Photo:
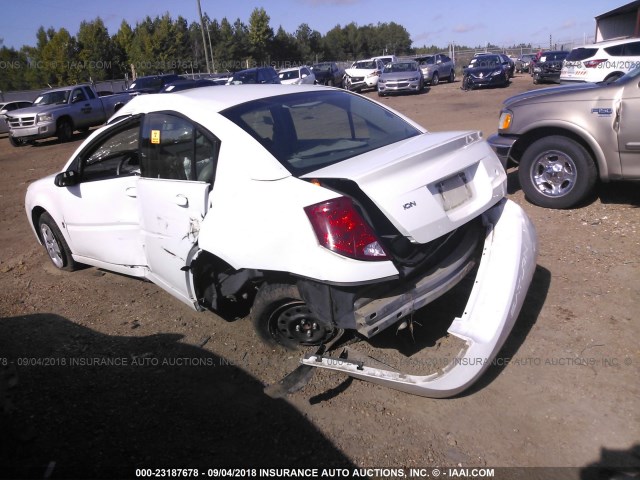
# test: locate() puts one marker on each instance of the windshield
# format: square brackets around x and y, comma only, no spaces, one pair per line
[400,67]
[311,130]
[290,75]
[151,82]
[247,76]
[485,61]
[53,98]
[366,65]
[321,67]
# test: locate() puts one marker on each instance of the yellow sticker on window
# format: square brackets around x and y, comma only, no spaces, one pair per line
[155,137]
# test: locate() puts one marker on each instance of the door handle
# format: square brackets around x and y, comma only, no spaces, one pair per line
[181,200]
[131,192]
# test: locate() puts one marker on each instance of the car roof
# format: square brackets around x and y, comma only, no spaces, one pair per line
[609,43]
[212,99]
[292,69]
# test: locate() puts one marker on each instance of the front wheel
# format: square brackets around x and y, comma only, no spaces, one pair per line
[54,242]
[557,172]
[64,131]
[16,142]
[281,317]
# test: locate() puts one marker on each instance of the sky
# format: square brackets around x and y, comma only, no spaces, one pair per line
[463,22]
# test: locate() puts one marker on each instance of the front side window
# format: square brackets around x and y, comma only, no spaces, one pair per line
[113,156]
[310,130]
[173,148]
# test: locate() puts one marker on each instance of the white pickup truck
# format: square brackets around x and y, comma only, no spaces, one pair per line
[59,112]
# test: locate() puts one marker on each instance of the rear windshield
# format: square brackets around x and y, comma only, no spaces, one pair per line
[311,130]
[578,54]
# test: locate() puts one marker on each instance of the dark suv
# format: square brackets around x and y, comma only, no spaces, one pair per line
[152,83]
[548,67]
[257,75]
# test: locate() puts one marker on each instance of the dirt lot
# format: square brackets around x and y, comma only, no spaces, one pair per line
[189,392]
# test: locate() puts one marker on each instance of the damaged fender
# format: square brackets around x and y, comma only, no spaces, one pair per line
[505,272]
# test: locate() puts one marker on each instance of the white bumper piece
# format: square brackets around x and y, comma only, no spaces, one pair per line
[506,268]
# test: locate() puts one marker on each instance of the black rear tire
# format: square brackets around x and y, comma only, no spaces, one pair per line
[282,318]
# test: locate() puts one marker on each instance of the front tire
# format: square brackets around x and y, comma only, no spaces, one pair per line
[282,318]
[64,130]
[557,172]
[55,244]
[16,142]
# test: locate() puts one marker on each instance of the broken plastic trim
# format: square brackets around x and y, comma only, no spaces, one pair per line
[503,278]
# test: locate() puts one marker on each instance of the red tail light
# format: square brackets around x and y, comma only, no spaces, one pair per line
[593,63]
[340,228]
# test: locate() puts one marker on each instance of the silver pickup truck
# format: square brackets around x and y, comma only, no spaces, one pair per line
[59,112]
[566,138]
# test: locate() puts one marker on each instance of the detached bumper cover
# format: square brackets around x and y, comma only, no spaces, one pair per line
[503,278]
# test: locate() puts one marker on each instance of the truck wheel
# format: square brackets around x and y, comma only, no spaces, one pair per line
[281,317]
[54,242]
[64,130]
[435,79]
[16,142]
[556,172]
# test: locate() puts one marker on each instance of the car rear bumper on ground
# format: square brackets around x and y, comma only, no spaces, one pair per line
[503,278]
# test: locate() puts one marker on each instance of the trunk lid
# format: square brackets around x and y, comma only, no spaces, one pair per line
[427,185]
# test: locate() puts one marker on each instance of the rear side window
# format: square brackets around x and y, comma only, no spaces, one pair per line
[174,148]
[632,49]
[310,130]
[578,54]
[615,51]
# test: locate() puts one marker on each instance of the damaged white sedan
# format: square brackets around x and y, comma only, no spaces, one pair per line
[319,209]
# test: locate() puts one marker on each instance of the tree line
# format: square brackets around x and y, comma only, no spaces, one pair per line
[166,45]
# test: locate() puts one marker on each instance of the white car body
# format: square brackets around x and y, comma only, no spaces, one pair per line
[601,61]
[297,76]
[363,74]
[253,218]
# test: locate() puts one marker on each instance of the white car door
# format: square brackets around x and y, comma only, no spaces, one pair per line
[177,168]
[101,210]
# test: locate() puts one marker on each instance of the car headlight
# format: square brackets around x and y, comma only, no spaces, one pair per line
[497,72]
[45,117]
[506,119]
[414,79]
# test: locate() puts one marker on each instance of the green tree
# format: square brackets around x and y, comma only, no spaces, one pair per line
[61,52]
[122,43]
[260,34]
[95,50]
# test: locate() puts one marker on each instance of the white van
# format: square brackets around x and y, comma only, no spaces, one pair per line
[599,62]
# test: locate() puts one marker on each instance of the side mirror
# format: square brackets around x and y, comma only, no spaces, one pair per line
[4,112]
[66,179]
